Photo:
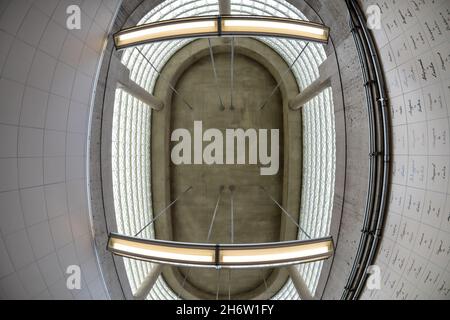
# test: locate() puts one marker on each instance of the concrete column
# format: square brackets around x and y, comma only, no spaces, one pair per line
[224,7]
[329,77]
[300,284]
[148,283]
[122,76]
[309,93]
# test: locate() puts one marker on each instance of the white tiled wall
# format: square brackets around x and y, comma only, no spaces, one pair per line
[46,80]
[414,43]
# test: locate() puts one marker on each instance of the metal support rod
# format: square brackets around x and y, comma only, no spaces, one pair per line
[232,189]
[162,212]
[283,76]
[209,234]
[286,213]
[216,79]
[184,281]
[214,215]
[164,78]
[232,74]
[218,284]
[264,279]
[232,214]
[229,284]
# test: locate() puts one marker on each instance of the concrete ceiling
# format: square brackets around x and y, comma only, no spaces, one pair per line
[257,219]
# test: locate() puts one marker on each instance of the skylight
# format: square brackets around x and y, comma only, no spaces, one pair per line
[131,179]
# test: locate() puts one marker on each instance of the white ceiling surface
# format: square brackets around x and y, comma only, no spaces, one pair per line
[46,80]
[415,250]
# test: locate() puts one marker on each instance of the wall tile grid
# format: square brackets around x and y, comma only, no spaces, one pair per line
[414,44]
[47,74]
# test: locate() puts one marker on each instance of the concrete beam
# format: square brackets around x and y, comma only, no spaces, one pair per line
[309,93]
[147,285]
[329,77]
[224,7]
[300,284]
[122,76]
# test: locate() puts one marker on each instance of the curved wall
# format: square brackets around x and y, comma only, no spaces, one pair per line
[47,76]
[414,45]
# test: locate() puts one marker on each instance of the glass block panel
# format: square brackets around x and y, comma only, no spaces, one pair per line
[319,158]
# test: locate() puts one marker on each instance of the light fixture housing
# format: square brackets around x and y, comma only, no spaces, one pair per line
[167,30]
[217,26]
[275,254]
[274,27]
[222,256]
[158,251]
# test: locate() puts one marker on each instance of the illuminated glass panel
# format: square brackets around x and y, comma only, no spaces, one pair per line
[319,158]
[130,155]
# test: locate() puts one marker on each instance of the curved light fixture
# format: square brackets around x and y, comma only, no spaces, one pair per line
[273,27]
[167,30]
[221,256]
[218,26]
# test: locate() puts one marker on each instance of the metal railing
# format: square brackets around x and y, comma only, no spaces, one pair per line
[379,156]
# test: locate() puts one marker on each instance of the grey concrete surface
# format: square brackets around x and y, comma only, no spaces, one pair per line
[246,179]
[352,144]
[256,218]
